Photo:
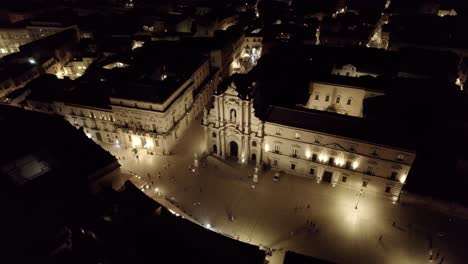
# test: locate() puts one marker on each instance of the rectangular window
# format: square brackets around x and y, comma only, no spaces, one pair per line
[370,170]
[311,171]
[394,175]
[348,165]
[214,134]
[293,166]
[130,138]
[331,161]
[388,189]
[316,97]
[278,132]
[338,100]
[294,153]
[344,179]
[364,183]
[348,102]
[327,98]
[275,162]
[314,157]
[277,149]
[400,157]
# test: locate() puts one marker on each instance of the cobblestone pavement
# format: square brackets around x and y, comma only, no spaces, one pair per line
[296,213]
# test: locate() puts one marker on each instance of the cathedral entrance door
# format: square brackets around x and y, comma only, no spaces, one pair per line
[233,149]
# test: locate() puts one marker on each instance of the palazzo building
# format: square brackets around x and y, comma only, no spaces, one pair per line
[327,147]
[132,101]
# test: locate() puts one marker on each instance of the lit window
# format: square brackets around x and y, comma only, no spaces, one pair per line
[298,135]
[401,157]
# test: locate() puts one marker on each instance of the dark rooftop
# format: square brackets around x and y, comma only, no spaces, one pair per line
[346,126]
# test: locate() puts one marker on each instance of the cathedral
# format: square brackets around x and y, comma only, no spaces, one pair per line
[329,148]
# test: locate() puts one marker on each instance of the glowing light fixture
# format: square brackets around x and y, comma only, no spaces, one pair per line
[267,147]
[403,178]
[308,154]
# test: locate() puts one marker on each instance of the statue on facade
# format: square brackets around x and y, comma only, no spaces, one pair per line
[233,115]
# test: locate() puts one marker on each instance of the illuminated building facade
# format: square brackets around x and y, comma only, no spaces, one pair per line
[327,147]
[152,112]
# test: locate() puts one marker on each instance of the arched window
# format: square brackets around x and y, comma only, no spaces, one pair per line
[254,143]
[338,100]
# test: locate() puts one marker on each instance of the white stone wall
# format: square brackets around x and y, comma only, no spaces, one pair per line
[346,100]
[232,120]
[139,124]
[357,161]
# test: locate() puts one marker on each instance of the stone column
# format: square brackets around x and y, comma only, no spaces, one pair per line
[223,144]
[241,119]
[247,118]
[260,152]
[221,109]
[218,111]
[241,149]
[218,142]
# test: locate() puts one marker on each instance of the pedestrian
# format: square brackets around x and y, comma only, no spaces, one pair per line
[380,237]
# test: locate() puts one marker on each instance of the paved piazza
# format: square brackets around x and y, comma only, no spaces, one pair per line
[296,213]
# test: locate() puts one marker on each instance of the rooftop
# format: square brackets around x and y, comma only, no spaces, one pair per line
[346,126]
